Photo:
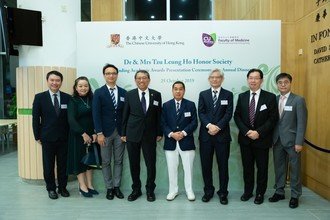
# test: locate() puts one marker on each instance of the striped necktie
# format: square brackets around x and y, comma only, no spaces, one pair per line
[112,94]
[177,108]
[215,99]
[252,109]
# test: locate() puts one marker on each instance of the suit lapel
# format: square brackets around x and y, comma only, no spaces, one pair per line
[260,102]
[218,103]
[181,111]
[50,102]
[138,101]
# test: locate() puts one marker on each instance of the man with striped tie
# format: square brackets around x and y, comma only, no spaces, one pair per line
[108,104]
[215,109]
[256,115]
[179,120]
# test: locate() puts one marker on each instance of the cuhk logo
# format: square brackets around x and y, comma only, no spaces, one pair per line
[209,40]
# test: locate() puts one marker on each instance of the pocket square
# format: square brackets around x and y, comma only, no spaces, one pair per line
[263,107]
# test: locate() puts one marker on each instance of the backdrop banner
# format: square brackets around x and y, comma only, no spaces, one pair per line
[185,51]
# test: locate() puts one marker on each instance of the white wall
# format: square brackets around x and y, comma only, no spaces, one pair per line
[59,33]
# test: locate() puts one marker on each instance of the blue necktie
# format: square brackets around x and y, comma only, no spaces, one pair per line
[144,103]
[113,97]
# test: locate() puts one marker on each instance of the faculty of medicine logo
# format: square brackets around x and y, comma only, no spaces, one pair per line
[209,40]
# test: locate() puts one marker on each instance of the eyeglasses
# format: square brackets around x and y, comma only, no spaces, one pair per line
[254,78]
[141,78]
[283,83]
[111,73]
[215,77]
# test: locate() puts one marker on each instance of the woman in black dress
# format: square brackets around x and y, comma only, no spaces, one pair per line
[81,134]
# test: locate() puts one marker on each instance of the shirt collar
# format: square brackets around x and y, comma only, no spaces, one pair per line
[286,95]
[257,92]
[218,90]
[146,91]
[177,101]
[115,87]
[51,93]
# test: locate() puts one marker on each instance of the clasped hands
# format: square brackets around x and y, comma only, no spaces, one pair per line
[177,135]
[254,135]
[213,129]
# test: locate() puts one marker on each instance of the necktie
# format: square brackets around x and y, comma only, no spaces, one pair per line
[215,99]
[113,97]
[143,103]
[177,109]
[281,106]
[252,109]
[56,105]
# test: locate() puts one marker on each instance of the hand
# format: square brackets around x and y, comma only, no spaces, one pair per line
[87,138]
[177,135]
[101,140]
[159,138]
[254,135]
[94,138]
[298,148]
[123,138]
[213,129]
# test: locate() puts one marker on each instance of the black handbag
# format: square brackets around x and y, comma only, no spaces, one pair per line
[93,156]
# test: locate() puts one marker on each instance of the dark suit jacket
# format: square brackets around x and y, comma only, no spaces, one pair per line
[266,117]
[104,112]
[291,126]
[47,126]
[220,115]
[136,124]
[185,121]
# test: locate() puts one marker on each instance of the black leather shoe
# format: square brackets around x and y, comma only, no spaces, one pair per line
[223,199]
[259,199]
[245,197]
[134,195]
[118,193]
[52,194]
[110,194]
[207,197]
[64,192]
[151,196]
[293,203]
[85,194]
[93,191]
[276,197]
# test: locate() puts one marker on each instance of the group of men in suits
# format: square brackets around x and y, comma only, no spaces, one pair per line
[264,120]
[136,117]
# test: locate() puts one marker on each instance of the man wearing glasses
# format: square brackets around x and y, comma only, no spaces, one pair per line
[255,116]
[108,104]
[288,139]
[142,130]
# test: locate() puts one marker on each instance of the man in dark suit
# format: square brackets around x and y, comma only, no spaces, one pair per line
[288,139]
[141,130]
[108,104]
[179,120]
[255,116]
[215,109]
[50,128]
